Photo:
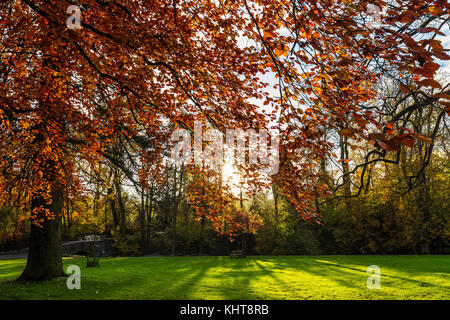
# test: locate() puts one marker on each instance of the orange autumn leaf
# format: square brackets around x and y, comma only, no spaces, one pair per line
[430,83]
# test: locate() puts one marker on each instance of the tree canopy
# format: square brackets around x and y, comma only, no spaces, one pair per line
[137,70]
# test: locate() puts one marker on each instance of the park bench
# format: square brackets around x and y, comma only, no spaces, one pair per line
[237,254]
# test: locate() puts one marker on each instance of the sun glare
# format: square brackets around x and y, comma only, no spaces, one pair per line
[231,176]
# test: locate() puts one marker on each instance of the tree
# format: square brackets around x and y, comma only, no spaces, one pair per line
[68,95]
[160,58]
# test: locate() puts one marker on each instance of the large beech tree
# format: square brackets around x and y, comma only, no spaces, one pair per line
[137,66]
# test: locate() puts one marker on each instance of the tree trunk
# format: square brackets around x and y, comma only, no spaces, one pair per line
[202,228]
[112,203]
[176,201]
[122,226]
[149,212]
[142,225]
[243,235]
[423,205]
[45,251]
[174,229]
[174,212]
[345,172]
[275,200]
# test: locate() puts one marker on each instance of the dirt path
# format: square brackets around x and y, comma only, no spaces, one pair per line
[14,256]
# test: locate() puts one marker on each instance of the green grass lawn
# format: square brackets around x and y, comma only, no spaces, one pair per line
[281,277]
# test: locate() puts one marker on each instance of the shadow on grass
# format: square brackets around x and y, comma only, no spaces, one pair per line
[385,274]
[351,273]
[10,270]
[155,278]
[283,277]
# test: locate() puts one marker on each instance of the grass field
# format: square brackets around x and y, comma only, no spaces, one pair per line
[283,277]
